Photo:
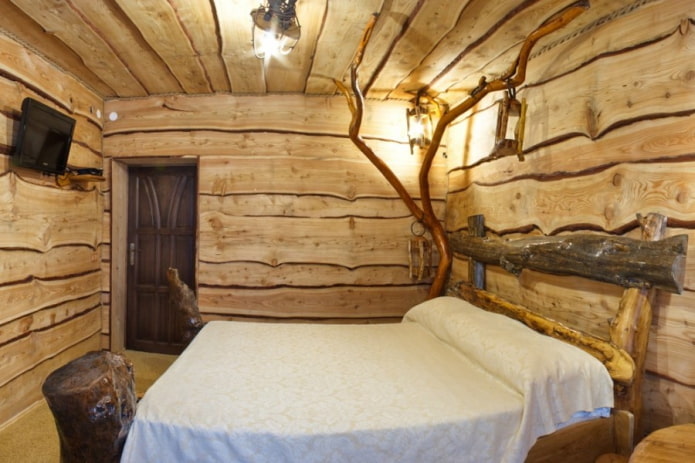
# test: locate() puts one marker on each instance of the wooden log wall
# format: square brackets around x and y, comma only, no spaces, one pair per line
[294,222]
[609,135]
[50,237]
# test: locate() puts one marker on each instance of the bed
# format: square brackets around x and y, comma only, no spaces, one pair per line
[451,382]
[437,387]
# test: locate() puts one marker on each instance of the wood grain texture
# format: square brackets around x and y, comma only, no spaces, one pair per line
[205,47]
[643,141]
[26,297]
[289,73]
[344,301]
[584,442]
[28,351]
[602,200]
[667,402]
[282,113]
[244,70]
[23,264]
[629,107]
[256,274]
[47,317]
[195,16]
[61,20]
[19,25]
[335,52]
[25,390]
[73,218]
[674,443]
[169,39]
[50,237]
[109,20]
[286,204]
[29,74]
[606,140]
[349,242]
[425,29]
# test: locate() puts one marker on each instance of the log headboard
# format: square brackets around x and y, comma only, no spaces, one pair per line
[640,266]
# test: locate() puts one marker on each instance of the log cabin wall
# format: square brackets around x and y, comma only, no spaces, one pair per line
[294,222]
[609,135]
[50,237]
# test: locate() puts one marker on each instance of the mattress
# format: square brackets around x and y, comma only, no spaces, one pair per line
[449,383]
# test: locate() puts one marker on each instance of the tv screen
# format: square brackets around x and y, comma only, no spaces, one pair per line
[44,138]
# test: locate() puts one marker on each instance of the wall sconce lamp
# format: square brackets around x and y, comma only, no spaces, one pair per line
[511,120]
[275,29]
[420,124]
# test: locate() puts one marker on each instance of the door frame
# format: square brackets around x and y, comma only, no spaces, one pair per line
[119,238]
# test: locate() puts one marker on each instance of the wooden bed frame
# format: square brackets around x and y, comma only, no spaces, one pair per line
[640,266]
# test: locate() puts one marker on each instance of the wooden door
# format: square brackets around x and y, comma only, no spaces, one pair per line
[161,234]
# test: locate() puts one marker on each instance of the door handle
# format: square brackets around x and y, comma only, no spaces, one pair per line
[131,254]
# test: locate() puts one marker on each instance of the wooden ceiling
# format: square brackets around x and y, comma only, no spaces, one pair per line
[133,48]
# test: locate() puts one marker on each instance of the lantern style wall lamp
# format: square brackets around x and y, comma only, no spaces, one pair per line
[420,121]
[275,29]
[511,120]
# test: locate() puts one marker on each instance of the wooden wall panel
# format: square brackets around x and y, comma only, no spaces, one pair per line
[314,302]
[606,200]
[50,269]
[19,394]
[288,114]
[609,135]
[294,221]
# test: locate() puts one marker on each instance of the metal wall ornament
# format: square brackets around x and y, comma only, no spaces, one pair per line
[275,28]
[511,120]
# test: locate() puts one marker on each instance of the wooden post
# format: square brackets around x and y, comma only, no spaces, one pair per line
[630,329]
[476,269]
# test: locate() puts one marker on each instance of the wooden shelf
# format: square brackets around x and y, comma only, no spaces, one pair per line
[72,179]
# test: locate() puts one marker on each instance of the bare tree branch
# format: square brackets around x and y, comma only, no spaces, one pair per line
[512,78]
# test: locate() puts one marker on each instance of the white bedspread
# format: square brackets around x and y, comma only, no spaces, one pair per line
[444,385]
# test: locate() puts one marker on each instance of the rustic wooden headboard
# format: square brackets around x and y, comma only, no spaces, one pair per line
[640,266]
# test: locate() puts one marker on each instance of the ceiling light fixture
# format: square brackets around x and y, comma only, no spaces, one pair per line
[275,29]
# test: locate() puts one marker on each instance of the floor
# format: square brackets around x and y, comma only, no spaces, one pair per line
[33,437]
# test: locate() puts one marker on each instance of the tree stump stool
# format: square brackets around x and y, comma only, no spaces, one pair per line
[93,402]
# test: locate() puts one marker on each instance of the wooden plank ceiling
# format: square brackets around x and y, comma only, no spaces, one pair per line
[133,48]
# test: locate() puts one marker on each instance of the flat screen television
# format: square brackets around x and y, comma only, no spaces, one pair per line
[44,138]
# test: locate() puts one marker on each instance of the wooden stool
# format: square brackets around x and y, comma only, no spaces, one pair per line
[93,402]
[667,445]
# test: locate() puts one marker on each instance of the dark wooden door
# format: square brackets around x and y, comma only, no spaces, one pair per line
[161,234]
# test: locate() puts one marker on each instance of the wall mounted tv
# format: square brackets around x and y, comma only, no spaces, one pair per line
[44,138]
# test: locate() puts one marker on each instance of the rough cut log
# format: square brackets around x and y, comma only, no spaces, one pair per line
[93,402]
[183,300]
[617,361]
[623,261]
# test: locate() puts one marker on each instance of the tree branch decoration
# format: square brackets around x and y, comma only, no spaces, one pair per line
[512,78]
